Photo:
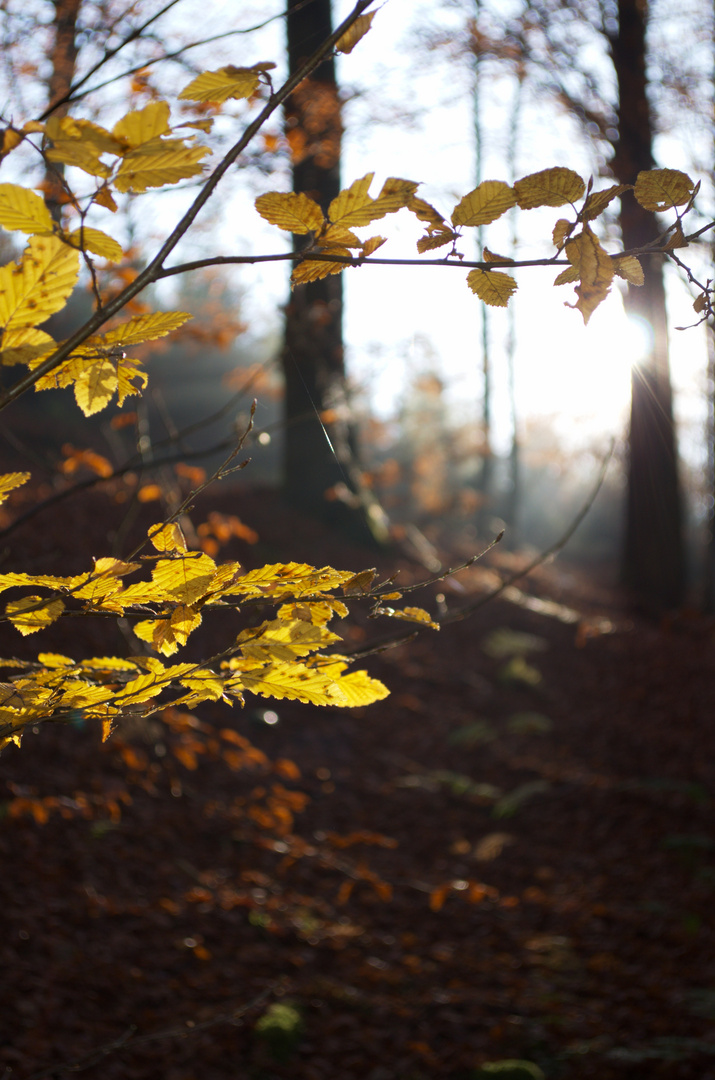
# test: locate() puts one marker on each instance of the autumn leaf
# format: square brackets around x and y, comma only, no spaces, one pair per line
[97,242]
[40,285]
[33,613]
[485,204]
[597,201]
[222,84]
[10,481]
[550,187]
[662,189]
[595,269]
[23,210]
[629,267]
[296,213]
[491,286]
[159,162]
[142,125]
[347,42]
[145,328]
[354,207]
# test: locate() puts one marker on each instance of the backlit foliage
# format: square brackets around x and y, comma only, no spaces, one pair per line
[167,591]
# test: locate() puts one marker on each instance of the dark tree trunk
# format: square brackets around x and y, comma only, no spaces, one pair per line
[321,475]
[63,58]
[654,562]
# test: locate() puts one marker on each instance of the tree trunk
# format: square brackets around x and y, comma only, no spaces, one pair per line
[654,561]
[63,59]
[321,475]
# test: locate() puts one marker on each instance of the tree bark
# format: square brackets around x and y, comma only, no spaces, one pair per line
[63,58]
[321,474]
[653,559]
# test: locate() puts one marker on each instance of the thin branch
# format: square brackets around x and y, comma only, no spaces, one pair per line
[464,612]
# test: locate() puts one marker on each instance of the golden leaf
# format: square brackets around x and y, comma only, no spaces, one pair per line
[126,372]
[81,155]
[355,207]
[97,242]
[491,256]
[629,267]
[550,187]
[144,328]
[561,231]
[143,125]
[104,198]
[485,204]
[435,240]
[33,613]
[10,140]
[347,42]
[491,286]
[597,201]
[167,537]
[39,286]
[338,234]
[67,128]
[279,580]
[26,345]
[595,272]
[158,163]
[567,276]
[284,640]
[10,481]
[360,583]
[24,210]
[426,212]
[185,579]
[95,386]
[315,269]
[318,612]
[295,213]
[373,244]
[294,681]
[662,189]
[227,82]
[360,688]
[55,660]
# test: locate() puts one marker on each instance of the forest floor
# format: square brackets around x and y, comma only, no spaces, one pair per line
[511,857]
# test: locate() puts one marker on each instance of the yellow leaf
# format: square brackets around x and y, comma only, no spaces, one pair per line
[355,207]
[108,663]
[167,537]
[360,583]
[40,285]
[373,244]
[26,345]
[104,198]
[10,140]
[81,155]
[185,579]
[347,42]
[562,230]
[338,234]
[67,128]
[315,269]
[319,612]
[418,614]
[33,613]
[279,580]
[550,187]
[143,125]
[629,267]
[662,189]
[166,635]
[597,201]
[10,481]
[491,286]
[97,242]
[491,257]
[126,372]
[485,204]
[426,212]
[595,272]
[156,164]
[360,688]
[435,240]
[567,276]
[200,125]
[145,328]
[294,681]
[24,210]
[295,213]
[95,386]
[226,82]
[284,640]
[55,660]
